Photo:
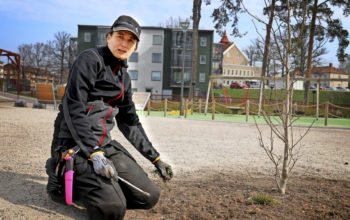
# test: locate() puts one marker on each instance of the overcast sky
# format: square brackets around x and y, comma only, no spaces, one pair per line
[31,21]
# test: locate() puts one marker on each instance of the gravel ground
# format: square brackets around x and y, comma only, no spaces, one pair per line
[194,148]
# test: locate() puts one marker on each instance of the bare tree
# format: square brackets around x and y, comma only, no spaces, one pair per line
[284,130]
[254,52]
[39,57]
[25,53]
[61,52]
[171,23]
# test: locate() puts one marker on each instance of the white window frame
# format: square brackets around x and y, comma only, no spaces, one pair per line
[131,76]
[153,78]
[134,55]
[156,61]
[87,37]
[202,59]
[157,40]
[203,41]
[201,77]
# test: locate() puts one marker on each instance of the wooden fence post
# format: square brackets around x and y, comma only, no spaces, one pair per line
[192,103]
[247,110]
[213,110]
[185,110]
[213,101]
[165,107]
[326,114]
[200,106]
[149,107]
[295,108]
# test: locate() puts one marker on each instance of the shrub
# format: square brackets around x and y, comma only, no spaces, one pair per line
[261,199]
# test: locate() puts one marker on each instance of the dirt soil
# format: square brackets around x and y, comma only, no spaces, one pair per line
[218,166]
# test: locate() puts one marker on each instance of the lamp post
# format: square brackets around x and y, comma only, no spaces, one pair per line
[184,25]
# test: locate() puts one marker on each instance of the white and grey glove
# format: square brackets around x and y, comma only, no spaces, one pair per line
[102,165]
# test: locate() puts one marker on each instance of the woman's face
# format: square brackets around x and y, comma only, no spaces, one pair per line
[122,44]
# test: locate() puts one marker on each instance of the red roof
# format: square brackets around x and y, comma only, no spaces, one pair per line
[225,41]
[327,69]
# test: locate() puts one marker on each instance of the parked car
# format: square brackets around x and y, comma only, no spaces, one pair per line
[253,83]
[339,88]
[238,85]
[312,87]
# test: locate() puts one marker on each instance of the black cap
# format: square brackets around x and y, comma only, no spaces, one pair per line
[127,23]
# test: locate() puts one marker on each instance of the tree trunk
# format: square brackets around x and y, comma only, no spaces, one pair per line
[266,53]
[61,66]
[287,114]
[302,40]
[196,18]
[309,55]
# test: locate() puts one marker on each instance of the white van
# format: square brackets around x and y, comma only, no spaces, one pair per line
[253,83]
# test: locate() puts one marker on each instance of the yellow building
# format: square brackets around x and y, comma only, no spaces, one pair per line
[236,63]
[330,73]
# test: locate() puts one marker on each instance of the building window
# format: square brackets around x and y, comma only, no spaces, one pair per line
[102,39]
[133,74]
[178,39]
[87,37]
[156,57]
[177,76]
[202,59]
[134,57]
[203,41]
[157,39]
[202,77]
[155,76]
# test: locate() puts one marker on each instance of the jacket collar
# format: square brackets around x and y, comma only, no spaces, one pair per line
[111,60]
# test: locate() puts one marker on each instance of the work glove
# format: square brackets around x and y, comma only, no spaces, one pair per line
[165,171]
[102,165]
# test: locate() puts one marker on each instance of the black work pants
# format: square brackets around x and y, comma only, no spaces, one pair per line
[107,198]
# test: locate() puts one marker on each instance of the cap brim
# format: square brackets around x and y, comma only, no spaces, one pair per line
[126,29]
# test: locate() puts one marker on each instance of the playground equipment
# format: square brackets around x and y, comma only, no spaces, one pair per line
[15,60]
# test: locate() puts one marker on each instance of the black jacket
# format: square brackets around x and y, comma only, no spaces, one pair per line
[98,75]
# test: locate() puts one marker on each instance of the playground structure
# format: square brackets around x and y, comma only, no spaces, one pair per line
[14,60]
[247,107]
[264,78]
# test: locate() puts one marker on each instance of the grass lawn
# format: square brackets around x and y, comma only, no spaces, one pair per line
[302,121]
